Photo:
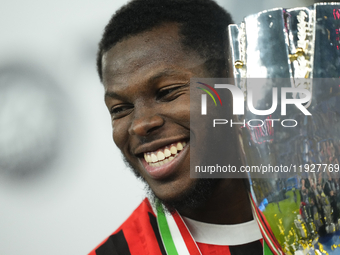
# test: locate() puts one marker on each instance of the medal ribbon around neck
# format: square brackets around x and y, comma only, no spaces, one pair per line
[270,244]
[177,239]
[175,235]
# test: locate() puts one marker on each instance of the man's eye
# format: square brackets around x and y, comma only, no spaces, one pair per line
[165,92]
[171,93]
[120,111]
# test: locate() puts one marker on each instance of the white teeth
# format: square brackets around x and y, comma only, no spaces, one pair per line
[153,158]
[147,157]
[167,153]
[162,162]
[160,155]
[173,150]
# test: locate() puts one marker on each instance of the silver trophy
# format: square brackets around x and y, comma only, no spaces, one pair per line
[297,52]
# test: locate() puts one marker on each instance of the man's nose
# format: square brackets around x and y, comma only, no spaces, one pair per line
[145,124]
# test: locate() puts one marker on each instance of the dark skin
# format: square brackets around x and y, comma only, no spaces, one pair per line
[146,79]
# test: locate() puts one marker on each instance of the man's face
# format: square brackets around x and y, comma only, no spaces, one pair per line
[146,79]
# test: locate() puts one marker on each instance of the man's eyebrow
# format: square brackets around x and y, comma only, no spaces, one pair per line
[112,95]
[164,73]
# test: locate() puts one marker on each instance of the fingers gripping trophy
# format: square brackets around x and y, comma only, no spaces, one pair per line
[287,64]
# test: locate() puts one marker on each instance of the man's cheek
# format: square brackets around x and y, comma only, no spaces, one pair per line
[182,109]
[119,135]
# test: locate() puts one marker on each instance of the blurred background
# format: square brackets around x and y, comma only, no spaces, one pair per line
[63,184]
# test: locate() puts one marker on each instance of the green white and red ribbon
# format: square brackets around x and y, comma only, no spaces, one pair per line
[177,239]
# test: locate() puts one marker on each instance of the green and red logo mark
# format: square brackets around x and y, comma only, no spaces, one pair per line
[204,97]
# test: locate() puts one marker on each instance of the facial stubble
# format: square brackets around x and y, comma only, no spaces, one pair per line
[194,197]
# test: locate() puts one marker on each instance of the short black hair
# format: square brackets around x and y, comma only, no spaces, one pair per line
[203,27]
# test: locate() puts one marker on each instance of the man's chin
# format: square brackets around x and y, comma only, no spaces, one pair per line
[193,198]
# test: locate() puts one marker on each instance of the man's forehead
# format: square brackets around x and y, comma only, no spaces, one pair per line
[159,43]
[154,49]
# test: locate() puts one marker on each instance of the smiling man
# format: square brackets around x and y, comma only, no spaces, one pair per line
[149,51]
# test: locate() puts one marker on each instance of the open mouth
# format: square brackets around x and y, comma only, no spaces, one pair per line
[164,155]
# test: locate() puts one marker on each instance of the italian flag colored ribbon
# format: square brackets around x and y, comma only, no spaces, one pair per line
[177,239]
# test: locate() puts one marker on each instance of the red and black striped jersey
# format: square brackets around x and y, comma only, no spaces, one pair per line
[140,234]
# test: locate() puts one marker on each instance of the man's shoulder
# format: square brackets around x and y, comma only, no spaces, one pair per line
[139,232]
[142,213]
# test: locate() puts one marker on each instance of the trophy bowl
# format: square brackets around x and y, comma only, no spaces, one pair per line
[292,56]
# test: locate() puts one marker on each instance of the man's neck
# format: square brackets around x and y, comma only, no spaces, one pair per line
[229,204]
